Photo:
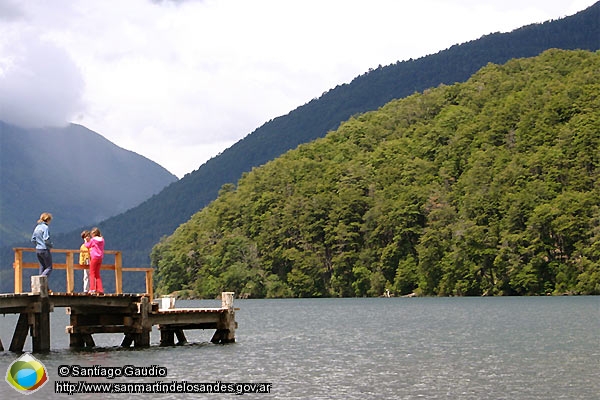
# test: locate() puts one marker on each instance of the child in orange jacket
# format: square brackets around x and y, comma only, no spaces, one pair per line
[84,260]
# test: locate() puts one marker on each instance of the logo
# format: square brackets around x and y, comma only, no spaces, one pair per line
[26,374]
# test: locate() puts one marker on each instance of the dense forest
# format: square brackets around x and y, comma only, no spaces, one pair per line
[488,187]
[137,230]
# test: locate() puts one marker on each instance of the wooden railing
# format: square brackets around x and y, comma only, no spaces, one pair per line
[71,266]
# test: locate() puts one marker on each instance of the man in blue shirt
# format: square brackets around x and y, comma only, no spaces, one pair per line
[43,244]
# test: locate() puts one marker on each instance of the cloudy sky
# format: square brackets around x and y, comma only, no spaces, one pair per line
[180,81]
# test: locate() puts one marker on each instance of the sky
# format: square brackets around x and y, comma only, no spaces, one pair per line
[179,81]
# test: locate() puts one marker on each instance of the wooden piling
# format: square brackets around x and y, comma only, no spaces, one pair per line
[41,317]
[142,338]
[226,326]
[20,334]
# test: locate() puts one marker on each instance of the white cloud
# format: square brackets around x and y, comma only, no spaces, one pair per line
[179,81]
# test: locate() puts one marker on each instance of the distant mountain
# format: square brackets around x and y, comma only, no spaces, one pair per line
[136,231]
[72,172]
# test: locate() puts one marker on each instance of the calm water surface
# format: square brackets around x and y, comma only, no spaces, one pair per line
[419,348]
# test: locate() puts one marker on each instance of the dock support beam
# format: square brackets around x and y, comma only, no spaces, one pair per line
[81,340]
[20,334]
[167,336]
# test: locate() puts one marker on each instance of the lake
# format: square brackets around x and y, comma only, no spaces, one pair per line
[401,348]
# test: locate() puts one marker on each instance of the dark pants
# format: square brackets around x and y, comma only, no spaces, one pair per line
[45,259]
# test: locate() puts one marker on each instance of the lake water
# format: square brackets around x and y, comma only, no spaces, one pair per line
[400,348]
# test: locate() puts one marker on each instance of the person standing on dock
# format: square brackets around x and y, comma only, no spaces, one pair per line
[96,246]
[84,260]
[43,243]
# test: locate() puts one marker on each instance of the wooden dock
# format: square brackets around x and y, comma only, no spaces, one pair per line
[132,315]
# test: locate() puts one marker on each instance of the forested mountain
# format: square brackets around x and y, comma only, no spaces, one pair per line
[488,187]
[72,172]
[137,230]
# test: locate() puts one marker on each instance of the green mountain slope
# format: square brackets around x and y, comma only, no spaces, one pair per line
[489,187]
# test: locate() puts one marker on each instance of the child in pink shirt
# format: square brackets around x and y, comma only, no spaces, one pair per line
[96,246]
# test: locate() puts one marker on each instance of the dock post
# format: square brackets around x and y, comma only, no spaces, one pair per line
[226,326]
[70,272]
[142,339]
[40,330]
[118,272]
[227,300]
